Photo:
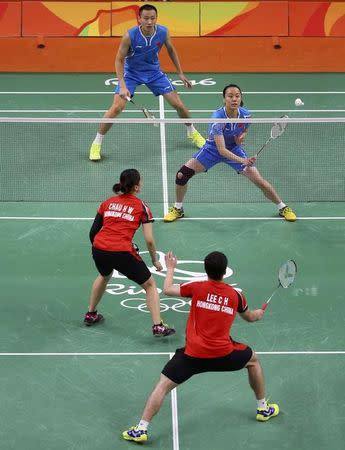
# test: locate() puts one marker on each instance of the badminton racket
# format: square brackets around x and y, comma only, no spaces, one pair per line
[276,131]
[286,276]
[148,114]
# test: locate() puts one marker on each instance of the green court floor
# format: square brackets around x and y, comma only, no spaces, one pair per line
[65,386]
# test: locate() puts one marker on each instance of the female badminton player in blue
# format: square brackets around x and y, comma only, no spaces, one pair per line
[137,63]
[224,144]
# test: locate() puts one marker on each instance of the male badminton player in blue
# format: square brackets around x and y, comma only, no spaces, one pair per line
[137,63]
[225,144]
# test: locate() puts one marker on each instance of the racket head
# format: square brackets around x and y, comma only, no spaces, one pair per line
[148,114]
[287,273]
[278,128]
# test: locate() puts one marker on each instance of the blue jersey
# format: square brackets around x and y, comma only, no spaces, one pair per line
[142,58]
[228,130]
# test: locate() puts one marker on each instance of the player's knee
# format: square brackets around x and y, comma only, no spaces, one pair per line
[184,175]
[254,360]
[149,284]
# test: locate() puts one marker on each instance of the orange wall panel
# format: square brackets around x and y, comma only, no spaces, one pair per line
[244,18]
[66,18]
[317,19]
[196,54]
[10,19]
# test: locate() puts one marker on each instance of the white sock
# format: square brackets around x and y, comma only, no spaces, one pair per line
[143,424]
[98,139]
[281,205]
[262,404]
[190,129]
[178,205]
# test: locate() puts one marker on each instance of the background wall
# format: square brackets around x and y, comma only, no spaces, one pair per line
[209,35]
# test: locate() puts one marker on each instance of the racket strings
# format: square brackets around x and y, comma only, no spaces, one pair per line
[287,273]
[278,128]
[148,114]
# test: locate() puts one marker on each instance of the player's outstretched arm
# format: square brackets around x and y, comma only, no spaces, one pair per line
[252,316]
[169,287]
[151,245]
[175,59]
[120,62]
[220,143]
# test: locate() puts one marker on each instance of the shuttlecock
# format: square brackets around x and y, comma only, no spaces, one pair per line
[298,102]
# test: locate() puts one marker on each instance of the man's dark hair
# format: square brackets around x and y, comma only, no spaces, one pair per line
[215,264]
[147,7]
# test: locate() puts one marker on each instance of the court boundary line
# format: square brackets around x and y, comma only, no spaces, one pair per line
[277,353]
[163,156]
[174,415]
[184,219]
[180,92]
[88,111]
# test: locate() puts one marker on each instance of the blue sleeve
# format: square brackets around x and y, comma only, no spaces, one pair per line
[216,129]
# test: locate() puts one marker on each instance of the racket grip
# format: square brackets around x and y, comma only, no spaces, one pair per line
[264,306]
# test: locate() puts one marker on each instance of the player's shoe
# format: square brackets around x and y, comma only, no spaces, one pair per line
[288,214]
[162,329]
[135,434]
[173,214]
[92,317]
[95,152]
[197,139]
[262,415]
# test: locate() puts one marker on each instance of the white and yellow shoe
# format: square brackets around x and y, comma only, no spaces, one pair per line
[197,139]
[95,152]
[262,415]
[288,214]
[135,434]
[173,214]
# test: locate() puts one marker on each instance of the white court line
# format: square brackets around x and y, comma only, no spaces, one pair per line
[180,92]
[184,219]
[331,352]
[163,156]
[174,414]
[87,111]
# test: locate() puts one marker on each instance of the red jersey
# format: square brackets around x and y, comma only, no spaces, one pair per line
[122,216]
[213,310]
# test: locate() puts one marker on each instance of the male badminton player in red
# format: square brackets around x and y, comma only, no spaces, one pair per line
[137,63]
[111,234]
[225,145]
[209,347]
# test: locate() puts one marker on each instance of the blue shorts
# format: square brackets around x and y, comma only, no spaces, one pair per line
[209,156]
[159,84]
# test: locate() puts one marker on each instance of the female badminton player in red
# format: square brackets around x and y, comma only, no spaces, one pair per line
[111,234]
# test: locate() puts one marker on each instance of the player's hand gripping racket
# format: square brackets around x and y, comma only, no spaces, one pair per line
[148,114]
[286,276]
[276,131]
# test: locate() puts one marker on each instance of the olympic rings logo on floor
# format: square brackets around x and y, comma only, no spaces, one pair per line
[135,295]
[180,274]
[176,304]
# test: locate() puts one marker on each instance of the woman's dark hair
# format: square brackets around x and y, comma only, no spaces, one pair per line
[128,179]
[147,8]
[233,86]
[215,264]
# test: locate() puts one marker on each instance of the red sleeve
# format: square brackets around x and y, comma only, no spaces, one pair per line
[146,215]
[242,302]
[186,289]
